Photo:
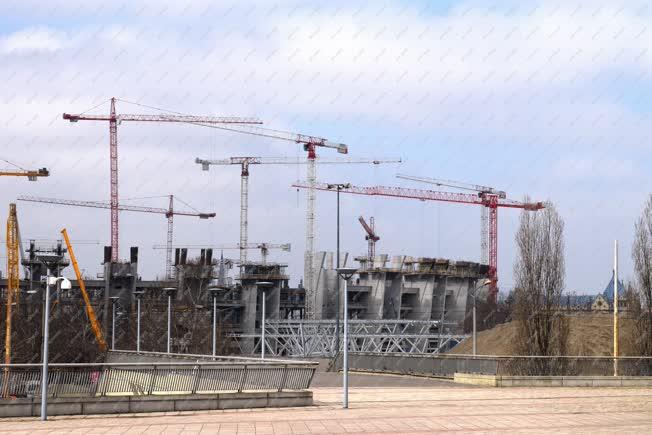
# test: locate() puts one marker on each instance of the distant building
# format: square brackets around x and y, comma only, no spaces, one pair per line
[600,304]
[604,301]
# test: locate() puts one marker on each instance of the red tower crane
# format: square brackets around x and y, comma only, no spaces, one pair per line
[491,201]
[371,237]
[484,216]
[114,119]
[169,214]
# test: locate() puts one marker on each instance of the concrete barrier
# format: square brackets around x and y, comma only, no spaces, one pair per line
[30,407]
[552,381]
[446,365]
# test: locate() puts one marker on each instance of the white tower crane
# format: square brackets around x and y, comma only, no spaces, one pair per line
[309,145]
[244,162]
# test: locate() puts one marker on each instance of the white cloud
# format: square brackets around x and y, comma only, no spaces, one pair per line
[502,98]
[35,39]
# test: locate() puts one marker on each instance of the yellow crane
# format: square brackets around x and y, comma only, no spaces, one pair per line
[13,283]
[30,174]
[13,251]
[95,325]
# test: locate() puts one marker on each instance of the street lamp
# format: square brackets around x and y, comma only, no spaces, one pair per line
[339,187]
[170,292]
[65,285]
[264,285]
[213,290]
[475,292]
[139,295]
[114,299]
[346,273]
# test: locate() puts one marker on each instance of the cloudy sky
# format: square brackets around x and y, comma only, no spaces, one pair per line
[543,98]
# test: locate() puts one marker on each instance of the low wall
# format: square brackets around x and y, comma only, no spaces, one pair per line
[553,381]
[444,365]
[425,365]
[31,407]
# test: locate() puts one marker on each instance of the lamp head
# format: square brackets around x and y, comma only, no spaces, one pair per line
[347,272]
[65,284]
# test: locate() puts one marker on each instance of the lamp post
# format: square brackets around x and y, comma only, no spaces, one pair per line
[139,295]
[65,285]
[339,187]
[346,273]
[263,285]
[615,287]
[475,293]
[114,299]
[169,291]
[213,291]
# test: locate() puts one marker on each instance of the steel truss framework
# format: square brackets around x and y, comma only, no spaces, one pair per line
[316,338]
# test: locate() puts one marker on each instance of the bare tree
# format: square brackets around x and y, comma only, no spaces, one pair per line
[539,277]
[642,256]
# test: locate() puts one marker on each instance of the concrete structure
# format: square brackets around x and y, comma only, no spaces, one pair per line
[552,381]
[414,289]
[396,289]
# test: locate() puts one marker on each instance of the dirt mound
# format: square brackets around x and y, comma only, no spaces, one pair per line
[590,334]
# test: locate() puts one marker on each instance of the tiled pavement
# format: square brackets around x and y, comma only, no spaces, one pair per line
[410,409]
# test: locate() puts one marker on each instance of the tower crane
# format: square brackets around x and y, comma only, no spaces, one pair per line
[371,237]
[169,213]
[114,119]
[264,248]
[310,143]
[13,284]
[244,163]
[484,218]
[491,201]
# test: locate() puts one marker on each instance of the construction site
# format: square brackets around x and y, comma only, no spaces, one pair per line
[211,304]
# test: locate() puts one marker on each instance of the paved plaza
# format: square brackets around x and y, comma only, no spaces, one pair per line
[400,405]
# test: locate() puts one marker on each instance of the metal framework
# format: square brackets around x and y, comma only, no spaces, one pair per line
[317,338]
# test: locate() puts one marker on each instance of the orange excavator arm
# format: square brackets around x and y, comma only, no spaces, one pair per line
[95,325]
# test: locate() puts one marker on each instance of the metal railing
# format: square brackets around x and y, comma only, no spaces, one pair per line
[133,379]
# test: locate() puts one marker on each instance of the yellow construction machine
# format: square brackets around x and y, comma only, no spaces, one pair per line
[95,325]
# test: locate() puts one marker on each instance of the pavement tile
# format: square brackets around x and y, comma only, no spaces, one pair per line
[390,410]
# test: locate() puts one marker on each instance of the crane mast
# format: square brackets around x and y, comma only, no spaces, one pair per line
[113,118]
[13,285]
[491,201]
